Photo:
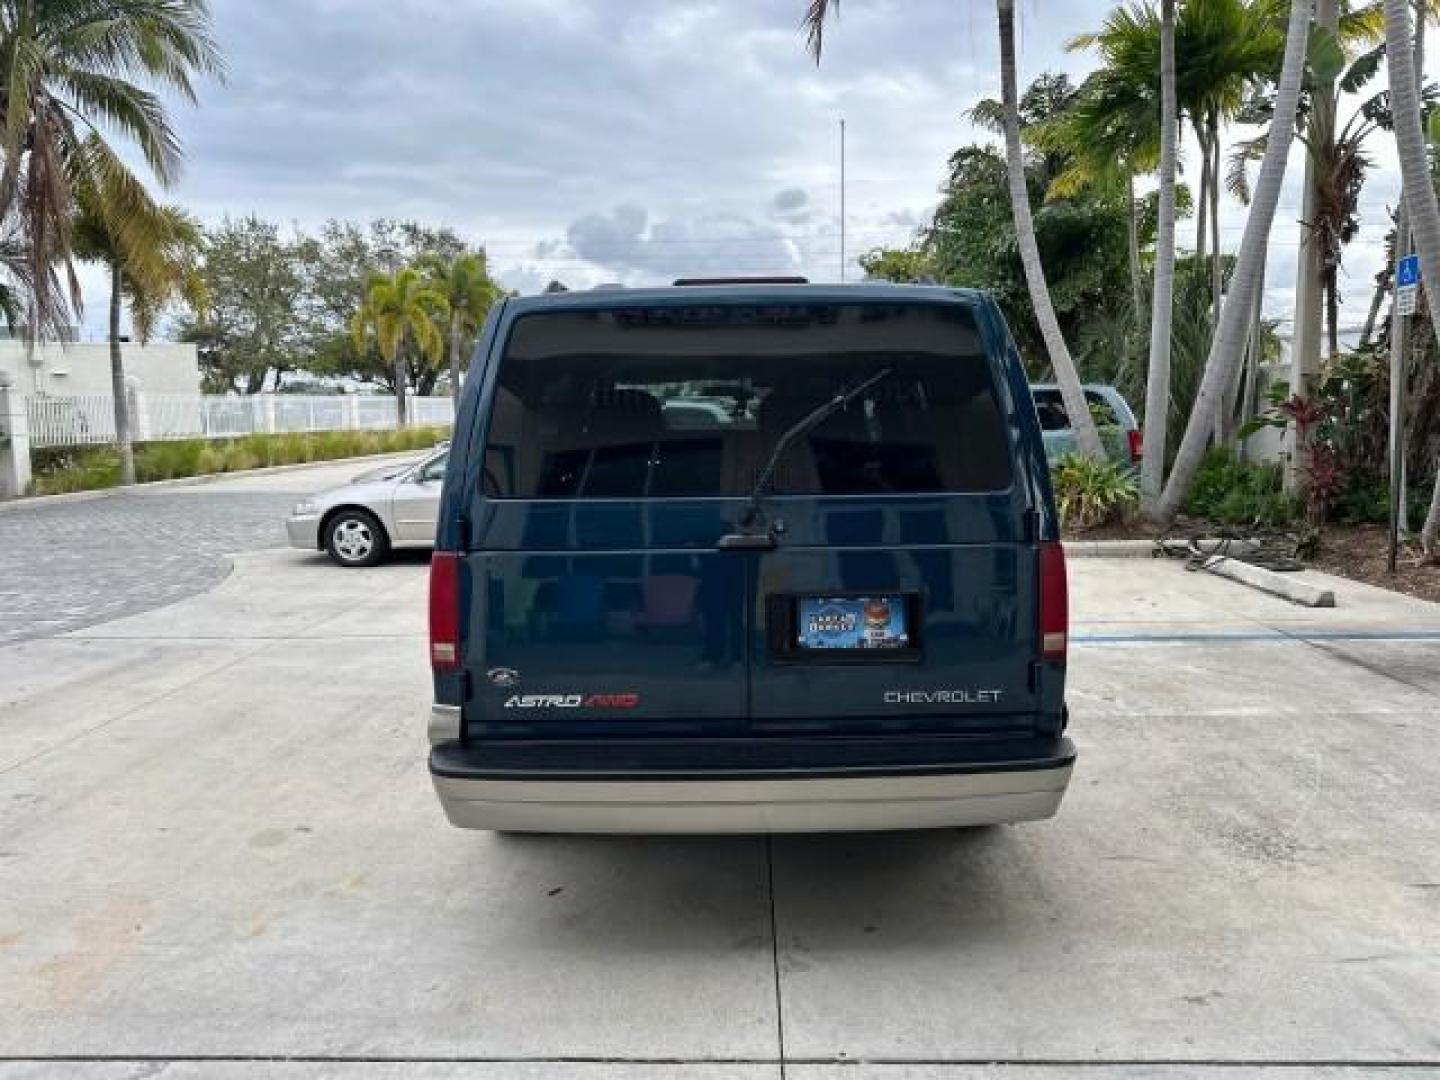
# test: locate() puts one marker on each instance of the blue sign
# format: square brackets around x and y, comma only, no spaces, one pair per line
[1407,274]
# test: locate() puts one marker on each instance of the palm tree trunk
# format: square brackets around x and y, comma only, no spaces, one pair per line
[1332,310]
[123,438]
[1234,410]
[1229,341]
[1071,392]
[1377,298]
[455,360]
[1202,214]
[402,407]
[1157,381]
[1420,202]
[1217,270]
[1132,225]
[1310,272]
[1254,356]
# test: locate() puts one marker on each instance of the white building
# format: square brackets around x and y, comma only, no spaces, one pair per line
[78,369]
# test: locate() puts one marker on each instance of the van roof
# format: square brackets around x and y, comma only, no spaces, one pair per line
[752,293]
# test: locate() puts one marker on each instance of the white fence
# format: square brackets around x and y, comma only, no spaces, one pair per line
[71,421]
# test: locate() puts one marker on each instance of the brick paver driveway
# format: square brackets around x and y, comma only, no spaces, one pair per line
[69,563]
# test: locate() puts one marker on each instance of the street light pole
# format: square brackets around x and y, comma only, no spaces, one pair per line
[842,198]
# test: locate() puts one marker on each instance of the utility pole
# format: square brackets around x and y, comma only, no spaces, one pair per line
[842,198]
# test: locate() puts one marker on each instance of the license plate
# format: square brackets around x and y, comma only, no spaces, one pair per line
[852,623]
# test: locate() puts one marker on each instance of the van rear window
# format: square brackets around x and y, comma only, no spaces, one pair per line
[641,402]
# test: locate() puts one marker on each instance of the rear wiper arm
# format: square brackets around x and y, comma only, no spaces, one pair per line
[810,420]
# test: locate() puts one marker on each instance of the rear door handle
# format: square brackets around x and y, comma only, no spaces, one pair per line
[746,542]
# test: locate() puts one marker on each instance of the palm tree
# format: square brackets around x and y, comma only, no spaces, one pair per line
[1228,46]
[1236,313]
[1087,438]
[396,308]
[69,68]
[1157,381]
[469,292]
[1420,202]
[1071,392]
[153,260]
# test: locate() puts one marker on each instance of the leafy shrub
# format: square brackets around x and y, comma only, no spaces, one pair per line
[1091,492]
[85,468]
[1233,492]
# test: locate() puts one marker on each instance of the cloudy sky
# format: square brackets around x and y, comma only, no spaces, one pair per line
[628,140]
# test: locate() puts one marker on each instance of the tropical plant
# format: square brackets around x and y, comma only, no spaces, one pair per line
[1229,491]
[1092,491]
[153,259]
[71,68]
[469,292]
[1420,201]
[398,308]
[1236,313]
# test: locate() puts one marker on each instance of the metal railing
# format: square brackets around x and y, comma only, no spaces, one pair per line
[90,419]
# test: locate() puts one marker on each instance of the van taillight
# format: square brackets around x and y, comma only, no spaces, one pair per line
[1054,601]
[1137,444]
[444,611]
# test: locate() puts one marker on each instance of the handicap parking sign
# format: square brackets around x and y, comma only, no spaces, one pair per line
[1408,272]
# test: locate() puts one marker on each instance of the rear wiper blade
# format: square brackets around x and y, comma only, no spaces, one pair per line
[810,420]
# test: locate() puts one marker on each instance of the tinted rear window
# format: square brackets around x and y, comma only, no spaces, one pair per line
[692,401]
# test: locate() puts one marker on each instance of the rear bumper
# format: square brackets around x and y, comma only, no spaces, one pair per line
[749,786]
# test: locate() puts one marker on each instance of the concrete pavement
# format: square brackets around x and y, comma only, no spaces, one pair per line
[78,561]
[219,852]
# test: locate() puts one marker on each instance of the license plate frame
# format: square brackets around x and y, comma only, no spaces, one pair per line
[798,633]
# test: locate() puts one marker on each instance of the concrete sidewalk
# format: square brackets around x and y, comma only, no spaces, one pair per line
[219,849]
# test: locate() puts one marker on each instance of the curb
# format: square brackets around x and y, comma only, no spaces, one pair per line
[1154,549]
[1268,581]
[192,481]
[1112,549]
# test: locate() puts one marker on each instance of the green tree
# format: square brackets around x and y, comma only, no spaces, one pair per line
[256,327]
[153,260]
[399,308]
[336,267]
[72,68]
[1223,50]
[901,265]
[469,292]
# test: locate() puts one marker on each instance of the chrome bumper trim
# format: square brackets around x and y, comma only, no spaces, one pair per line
[753,806]
[444,723]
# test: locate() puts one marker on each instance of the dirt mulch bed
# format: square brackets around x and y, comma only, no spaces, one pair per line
[1351,551]
[1358,551]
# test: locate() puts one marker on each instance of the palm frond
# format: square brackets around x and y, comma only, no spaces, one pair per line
[813,23]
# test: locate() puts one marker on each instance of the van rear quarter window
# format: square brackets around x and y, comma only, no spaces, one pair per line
[691,400]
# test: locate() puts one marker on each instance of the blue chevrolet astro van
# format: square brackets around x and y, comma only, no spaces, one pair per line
[748,556]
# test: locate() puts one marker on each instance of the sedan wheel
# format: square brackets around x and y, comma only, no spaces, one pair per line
[355,538]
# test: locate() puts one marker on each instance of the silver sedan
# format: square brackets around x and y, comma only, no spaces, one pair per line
[358,523]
